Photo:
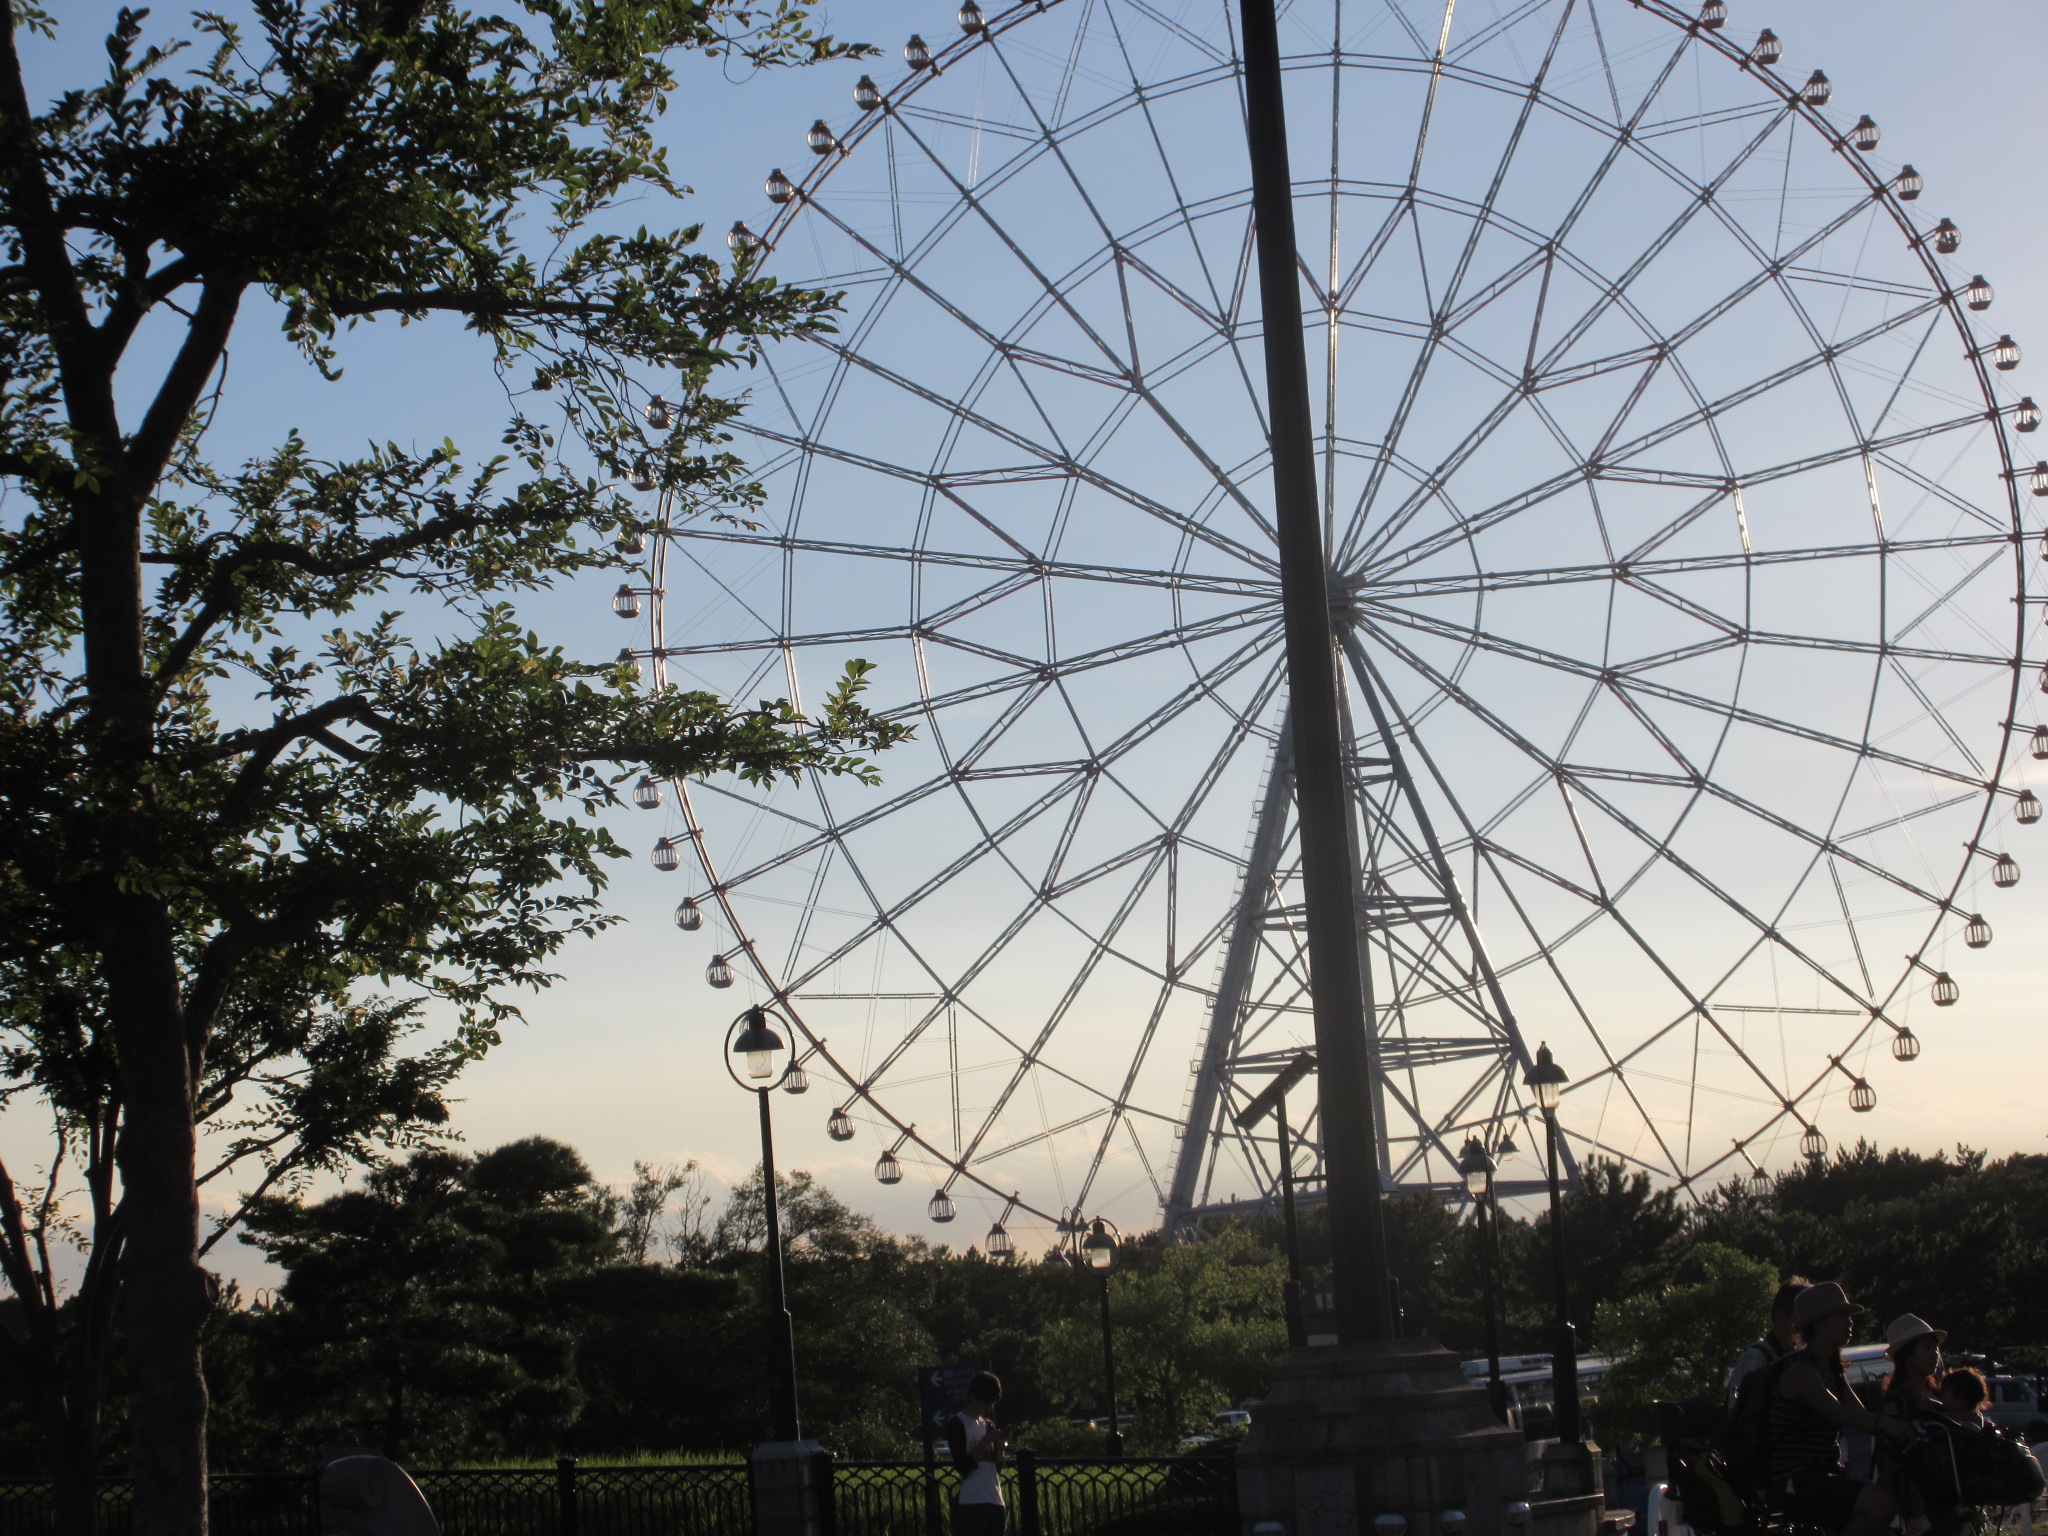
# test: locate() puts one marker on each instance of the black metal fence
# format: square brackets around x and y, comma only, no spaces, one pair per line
[1046,1495]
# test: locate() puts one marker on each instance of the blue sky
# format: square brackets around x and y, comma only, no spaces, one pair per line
[621,1059]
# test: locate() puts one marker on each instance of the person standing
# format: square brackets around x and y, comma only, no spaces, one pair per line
[1810,1407]
[1777,1342]
[977,1447]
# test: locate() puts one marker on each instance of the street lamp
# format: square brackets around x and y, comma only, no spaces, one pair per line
[1546,1079]
[758,1057]
[1272,1100]
[1477,1165]
[1098,1251]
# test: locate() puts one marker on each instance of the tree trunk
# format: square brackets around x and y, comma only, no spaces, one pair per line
[166,1293]
[76,1467]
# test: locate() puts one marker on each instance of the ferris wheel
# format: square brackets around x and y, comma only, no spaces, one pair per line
[1677,529]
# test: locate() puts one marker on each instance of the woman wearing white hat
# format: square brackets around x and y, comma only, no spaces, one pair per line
[1915,1349]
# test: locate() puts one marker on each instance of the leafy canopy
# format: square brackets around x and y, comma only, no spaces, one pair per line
[277,716]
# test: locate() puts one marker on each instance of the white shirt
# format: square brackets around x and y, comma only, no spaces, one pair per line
[984,1485]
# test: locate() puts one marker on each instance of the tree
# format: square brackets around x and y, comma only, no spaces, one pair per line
[1679,1340]
[239,799]
[1197,1327]
[429,1312]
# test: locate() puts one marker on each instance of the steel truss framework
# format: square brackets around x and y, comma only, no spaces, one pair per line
[1676,536]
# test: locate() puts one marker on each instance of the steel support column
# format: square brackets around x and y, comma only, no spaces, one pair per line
[1343,1006]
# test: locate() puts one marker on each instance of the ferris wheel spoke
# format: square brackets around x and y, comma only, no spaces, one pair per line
[1670,565]
[1032,673]
[1541,373]
[1481,221]
[1467,527]
[1545,949]
[1027,564]
[1125,368]
[1631,678]
[1661,848]
[1073,467]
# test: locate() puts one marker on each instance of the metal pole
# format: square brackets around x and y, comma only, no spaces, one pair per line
[781,1336]
[1564,1357]
[1116,1435]
[1297,1325]
[1485,1218]
[1340,986]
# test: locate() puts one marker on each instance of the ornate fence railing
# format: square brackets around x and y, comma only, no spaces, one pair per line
[1047,1496]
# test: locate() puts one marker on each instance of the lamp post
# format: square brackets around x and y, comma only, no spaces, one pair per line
[1547,1079]
[754,1039]
[1477,1165]
[1098,1249]
[1273,1100]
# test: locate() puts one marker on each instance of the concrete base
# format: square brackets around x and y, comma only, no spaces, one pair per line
[1571,1469]
[1389,1438]
[790,1488]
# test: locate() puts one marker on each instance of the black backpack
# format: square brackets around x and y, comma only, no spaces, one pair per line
[1745,1445]
[1965,1464]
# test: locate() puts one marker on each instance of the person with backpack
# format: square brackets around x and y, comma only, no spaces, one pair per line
[1778,1340]
[977,1447]
[1809,1405]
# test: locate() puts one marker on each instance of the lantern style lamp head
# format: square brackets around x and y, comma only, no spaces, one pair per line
[779,187]
[1098,1247]
[941,1207]
[2026,810]
[1944,991]
[1768,49]
[917,53]
[1817,90]
[1546,1079]
[1813,1144]
[689,916]
[998,1243]
[1905,1046]
[667,856]
[866,94]
[973,19]
[1908,184]
[718,973]
[887,1169]
[839,1125]
[1506,1149]
[1862,1097]
[647,793]
[2026,416]
[1977,934]
[626,603]
[760,1045]
[1477,1165]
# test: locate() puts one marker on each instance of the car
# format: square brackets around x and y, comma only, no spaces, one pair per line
[1234,1418]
